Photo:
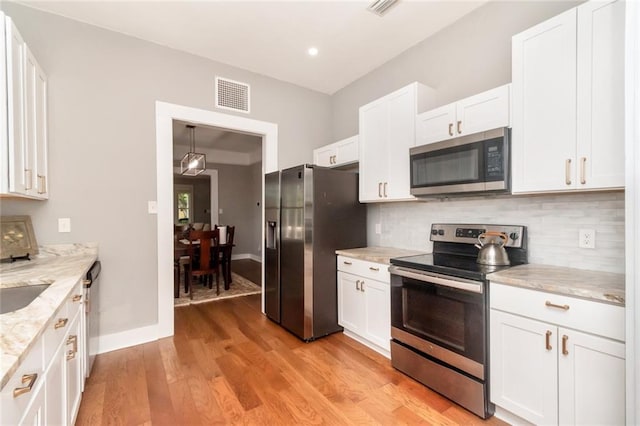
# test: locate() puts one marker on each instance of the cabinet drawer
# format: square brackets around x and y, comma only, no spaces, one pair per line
[12,408]
[364,268]
[592,317]
[59,326]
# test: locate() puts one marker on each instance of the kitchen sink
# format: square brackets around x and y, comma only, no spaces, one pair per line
[14,298]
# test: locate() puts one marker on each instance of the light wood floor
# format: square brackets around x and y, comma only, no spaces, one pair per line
[228,364]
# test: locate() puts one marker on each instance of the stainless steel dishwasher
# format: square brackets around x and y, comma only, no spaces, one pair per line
[91,292]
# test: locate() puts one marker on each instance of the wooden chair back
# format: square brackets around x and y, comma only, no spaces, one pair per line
[205,255]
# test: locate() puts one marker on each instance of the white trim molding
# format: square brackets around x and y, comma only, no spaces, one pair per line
[128,338]
[632,207]
[165,114]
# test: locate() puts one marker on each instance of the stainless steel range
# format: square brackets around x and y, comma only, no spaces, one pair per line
[440,311]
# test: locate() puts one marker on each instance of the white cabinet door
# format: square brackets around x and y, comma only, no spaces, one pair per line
[19,179]
[56,389]
[75,377]
[524,376]
[31,120]
[351,306]
[35,413]
[401,136]
[41,134]
[324,156]
[346,151]
[373,166]
[600,149]
[544,106]
[377,298]
[484,111]
[436,125]
[591,379]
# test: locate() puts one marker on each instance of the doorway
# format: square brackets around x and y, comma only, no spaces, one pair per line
[165,115]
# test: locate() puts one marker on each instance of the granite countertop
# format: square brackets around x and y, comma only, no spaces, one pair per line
[62,266]
[593,285]
[377,254]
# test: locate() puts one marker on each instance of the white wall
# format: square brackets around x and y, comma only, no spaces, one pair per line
[102,92]
[468,57]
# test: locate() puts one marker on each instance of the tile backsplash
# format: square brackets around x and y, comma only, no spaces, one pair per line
[553,223]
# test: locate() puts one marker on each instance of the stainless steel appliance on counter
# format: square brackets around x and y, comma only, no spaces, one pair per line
[91,291]
[310,212]
[440,312]
[473,164]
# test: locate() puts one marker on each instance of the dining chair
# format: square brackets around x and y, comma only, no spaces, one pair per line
[226,256]
[181,260]
[204,251]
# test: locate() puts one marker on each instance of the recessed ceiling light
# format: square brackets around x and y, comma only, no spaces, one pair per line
[313,51]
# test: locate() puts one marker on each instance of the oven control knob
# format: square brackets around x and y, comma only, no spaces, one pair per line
[434,232]
[514,236]
[440,231]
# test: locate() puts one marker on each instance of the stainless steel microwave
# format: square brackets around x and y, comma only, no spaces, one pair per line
[476,163]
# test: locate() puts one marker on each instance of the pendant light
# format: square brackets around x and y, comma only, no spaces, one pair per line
[193,163]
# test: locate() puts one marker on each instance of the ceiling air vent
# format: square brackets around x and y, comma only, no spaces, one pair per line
[232,95]
[380,7]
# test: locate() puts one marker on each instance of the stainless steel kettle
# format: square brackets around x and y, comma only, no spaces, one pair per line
[492,251]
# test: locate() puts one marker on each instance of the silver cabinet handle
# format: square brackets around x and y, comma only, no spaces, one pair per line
[567,171]
[379,189]
[358,285]
[374,269]
[385,190]
[583,162]
[450,129]
[42,184]
[459,127]
[347,263]
[28,177]
[362,286]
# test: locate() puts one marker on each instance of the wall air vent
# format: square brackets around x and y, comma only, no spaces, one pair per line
[380,7]
[232,95]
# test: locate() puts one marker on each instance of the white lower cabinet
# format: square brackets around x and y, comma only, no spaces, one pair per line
[546,373]
[364,302]
[47,387]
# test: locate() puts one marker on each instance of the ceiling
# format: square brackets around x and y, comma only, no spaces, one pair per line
[213,138]
[272,37]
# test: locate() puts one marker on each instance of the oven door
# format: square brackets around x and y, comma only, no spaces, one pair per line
[441,316]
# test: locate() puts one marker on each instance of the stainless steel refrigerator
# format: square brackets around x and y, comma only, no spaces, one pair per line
[310,212]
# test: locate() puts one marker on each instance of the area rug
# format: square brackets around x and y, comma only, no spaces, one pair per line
[239,286]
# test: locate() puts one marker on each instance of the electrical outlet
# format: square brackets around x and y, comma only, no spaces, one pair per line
[64,224]
[152,207]
[587,238]
[378,228]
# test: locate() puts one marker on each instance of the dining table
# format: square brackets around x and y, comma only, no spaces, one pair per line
[181,248]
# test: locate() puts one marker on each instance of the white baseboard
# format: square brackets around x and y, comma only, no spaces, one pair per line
[246,256]
[125,339]
[371,345]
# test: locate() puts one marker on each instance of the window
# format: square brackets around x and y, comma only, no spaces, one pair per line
[183,204]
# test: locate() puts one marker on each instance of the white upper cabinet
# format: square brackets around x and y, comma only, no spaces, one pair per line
[387,131]
[23,162]
[568,117]
[337,154]
[484,111]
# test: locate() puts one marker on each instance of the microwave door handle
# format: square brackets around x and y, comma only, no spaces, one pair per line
[461,284]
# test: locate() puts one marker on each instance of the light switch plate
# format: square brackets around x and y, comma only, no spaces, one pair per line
[378,228]
[64,224]
[152,207]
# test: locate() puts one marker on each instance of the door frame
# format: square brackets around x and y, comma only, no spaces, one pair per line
[165,114]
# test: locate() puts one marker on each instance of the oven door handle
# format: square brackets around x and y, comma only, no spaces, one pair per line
[459,283]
